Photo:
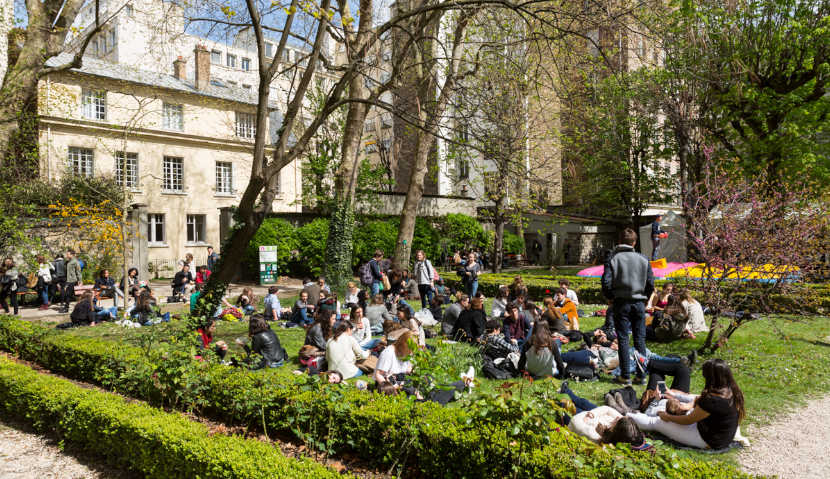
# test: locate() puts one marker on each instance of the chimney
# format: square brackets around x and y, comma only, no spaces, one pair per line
[202,67]
[180,68]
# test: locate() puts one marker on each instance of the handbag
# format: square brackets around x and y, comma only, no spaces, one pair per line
[368,365]
[386,284]
[579,372]
[31,280]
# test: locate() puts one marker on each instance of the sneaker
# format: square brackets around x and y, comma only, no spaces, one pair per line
[623,406]
[622,380]
[563,387]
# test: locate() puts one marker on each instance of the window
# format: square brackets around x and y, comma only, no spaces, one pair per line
[463,169]
[246,64]
[195,228]
[81,161]
[224,177]
[94,104]
[245,125]
[128,9]
[231,60]
[172,117]
[269,50]
[111,41]
[216,57]
[126,169]
[173,174]
[155,228]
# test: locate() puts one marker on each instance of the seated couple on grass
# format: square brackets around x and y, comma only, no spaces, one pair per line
[264,342]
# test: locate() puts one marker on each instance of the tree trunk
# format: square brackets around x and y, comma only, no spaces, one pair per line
[233,250]
[498,243]
[409,213]
[707,345]
[341,225]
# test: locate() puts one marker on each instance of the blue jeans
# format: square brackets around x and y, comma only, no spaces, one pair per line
[427,293]
[370,344]
[376,287]
[472,287]
[44,295]
[106,314]
[301,317]
[629,318]
[581,404]
[579,358]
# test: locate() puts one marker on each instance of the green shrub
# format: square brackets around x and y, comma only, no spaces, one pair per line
[312,238]
[463,232]
[513,243]
[273,231]
[370,236]
[447,442]
[136,436]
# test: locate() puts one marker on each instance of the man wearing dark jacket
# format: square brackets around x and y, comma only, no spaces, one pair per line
[628,281]
[656,231]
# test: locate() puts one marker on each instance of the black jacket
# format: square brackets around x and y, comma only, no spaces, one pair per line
[267,344]
[472,323]
[178,280]
[83,313]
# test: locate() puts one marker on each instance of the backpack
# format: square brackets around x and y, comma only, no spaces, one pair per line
[493,371]
[365,274]
[579,372]
[669,328]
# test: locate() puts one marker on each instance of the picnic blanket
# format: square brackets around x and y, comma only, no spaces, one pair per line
[596,271]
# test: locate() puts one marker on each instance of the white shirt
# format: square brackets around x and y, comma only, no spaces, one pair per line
[341,354]
[572,296]
[695,320]
[389,363]
[363,335]
[351,297]
[499,306]
[587,426]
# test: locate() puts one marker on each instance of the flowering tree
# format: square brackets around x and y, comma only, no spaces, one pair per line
[756,245]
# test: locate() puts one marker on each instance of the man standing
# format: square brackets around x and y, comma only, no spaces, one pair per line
[656,231]
[375,267]
[424,276]
[628,281]
[212,258]
[73,278]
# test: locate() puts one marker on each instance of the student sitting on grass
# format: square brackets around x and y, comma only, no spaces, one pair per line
[362,331]
[265,343]
[342,352]
[392,365]
[83,314]
[470,324]
[319,333]
[206,333]
[713,422]
[495,343]
[377,314]
[246,301]
[407,321]
[271,304]
[499,307]
[543,358]
[517,326]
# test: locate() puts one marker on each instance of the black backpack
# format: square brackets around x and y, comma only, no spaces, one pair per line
[579,372]
[503,370]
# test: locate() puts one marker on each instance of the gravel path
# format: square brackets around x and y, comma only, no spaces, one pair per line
[793,446]
[24,455]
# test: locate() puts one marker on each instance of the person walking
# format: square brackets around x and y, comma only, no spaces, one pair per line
[628,281]
[656,231]
[73,278]
[425,277]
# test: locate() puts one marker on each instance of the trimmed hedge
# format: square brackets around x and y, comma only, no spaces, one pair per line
[440,442]
[139,437]
[590,291]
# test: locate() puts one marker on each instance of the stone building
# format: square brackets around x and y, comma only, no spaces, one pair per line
[6,22]
[181,143]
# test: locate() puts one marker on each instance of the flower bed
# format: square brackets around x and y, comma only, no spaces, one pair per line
[137,436]
[435,441]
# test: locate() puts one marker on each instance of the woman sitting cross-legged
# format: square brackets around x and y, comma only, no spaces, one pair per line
[265,342]
[713,422]
[342,352]
[602,424]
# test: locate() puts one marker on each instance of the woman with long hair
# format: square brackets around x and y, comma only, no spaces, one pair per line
[264,341]
[471,322]
[342,351]
[206,334]
[392,364]
[543,358]
[714,419]
[500,302]
[246,301]
[320,332]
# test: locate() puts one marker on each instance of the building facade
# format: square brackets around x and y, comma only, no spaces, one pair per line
[6,22]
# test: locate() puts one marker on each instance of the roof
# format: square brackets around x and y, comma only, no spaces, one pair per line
[99,68]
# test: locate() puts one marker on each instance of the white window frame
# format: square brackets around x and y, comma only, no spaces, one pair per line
[224,178]
[269,49]
[94,104]
[196,229]
[230,60]
[245,125]
[132,169]
[81,161]
[111,40]
[245,64]
[172,117]
[172,174]
[154,221]
[216,57]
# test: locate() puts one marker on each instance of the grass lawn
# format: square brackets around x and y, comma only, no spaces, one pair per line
[778,361]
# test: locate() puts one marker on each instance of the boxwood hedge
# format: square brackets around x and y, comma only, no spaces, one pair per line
[590,291]
[137,436]
[438,442]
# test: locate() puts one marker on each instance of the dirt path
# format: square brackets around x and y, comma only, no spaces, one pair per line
[24,455]
[793,446]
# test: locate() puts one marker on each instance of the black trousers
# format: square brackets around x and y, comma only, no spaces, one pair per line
[659,369]
[68,293]
[6,292]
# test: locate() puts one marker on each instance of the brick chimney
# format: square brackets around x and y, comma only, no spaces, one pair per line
[180,68]
[202,67]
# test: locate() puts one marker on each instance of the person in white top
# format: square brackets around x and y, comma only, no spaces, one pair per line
[352,292]
[500,302]
[425,277]
[362,331]
[695,321]
[342,352]
[392,360]
[569,293]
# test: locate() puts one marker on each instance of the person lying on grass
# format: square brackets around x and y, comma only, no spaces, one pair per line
[602,424]
[713,421]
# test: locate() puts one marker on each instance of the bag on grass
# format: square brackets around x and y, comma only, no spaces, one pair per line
[368,365]
[580,372]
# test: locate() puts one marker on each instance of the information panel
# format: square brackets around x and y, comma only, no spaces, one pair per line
[268,265]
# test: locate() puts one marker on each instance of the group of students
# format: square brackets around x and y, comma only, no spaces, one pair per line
[52,279]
